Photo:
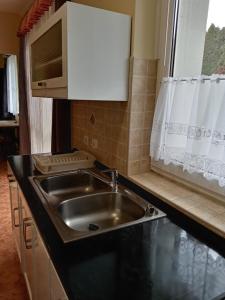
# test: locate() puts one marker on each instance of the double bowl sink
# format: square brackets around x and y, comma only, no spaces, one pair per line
[82,203]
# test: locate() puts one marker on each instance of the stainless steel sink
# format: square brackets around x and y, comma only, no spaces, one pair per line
[80,204]
[57,188]
[100,211]
[71,185]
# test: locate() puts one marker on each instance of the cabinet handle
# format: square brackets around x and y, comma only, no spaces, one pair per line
[11,178]
[27,222]
[14,217]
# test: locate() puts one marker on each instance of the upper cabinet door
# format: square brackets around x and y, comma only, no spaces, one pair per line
[47,54]
[82,53]
[47,61]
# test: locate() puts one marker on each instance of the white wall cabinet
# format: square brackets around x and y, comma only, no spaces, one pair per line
[81,53]
[40,275]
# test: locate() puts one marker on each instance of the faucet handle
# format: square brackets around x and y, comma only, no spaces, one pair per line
[113,171]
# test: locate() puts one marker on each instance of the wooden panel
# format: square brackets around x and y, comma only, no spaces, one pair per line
[15,213]
[26,253]
[57,291]
[41,267]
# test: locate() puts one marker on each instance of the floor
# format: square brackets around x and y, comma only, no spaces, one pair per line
[12,284]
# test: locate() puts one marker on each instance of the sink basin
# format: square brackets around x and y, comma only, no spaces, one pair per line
[97,212]
[69,185]
[81,204]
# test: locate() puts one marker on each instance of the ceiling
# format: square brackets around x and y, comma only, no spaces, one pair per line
[15,6]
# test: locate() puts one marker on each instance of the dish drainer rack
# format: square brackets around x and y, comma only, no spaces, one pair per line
[47,164]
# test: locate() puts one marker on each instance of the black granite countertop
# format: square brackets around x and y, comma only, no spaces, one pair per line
[170,258]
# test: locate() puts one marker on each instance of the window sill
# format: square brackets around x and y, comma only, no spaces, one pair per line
[206,210]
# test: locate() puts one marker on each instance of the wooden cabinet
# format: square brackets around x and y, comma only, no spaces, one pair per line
[57,291]
[40,275]
[27,243]
[41,267]
[81,53]
[15,211]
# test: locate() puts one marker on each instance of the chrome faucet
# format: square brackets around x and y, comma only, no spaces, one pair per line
[114,177]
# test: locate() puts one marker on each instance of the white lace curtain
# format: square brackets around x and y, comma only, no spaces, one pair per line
[12,85]
[189,125]
[40,109]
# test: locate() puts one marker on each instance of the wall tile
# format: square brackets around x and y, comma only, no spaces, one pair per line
[144,151]
[141,115]
[145,138]
[110,129]
[135,153]
[134,167]
[138,103]
[149,103]
[139,85]
[148,118]
[136,137]
[137,120]
[140,67]
[145,165]
[152,68]
[151,85]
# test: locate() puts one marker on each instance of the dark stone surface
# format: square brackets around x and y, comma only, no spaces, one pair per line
[168,259]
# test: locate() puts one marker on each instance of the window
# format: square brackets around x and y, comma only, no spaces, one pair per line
[12,85]
[214,49]
[188,135]
[198,38]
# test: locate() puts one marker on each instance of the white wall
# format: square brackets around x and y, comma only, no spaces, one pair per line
[144,29]
[9,43]
[190,37]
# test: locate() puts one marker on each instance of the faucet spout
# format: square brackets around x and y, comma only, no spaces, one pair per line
[114,177]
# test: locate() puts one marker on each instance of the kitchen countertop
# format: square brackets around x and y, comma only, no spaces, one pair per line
[170,258]
[8,123]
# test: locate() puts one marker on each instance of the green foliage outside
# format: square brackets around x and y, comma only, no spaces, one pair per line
[214,51]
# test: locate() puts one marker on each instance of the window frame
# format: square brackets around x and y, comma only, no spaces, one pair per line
[164,37]
[165,44]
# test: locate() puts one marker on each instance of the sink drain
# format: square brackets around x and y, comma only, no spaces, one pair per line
[93,227]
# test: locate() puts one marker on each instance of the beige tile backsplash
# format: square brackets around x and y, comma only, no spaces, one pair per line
[122,129]
[141,114]
[110,129]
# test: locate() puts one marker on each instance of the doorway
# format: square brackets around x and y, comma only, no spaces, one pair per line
[9,106]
